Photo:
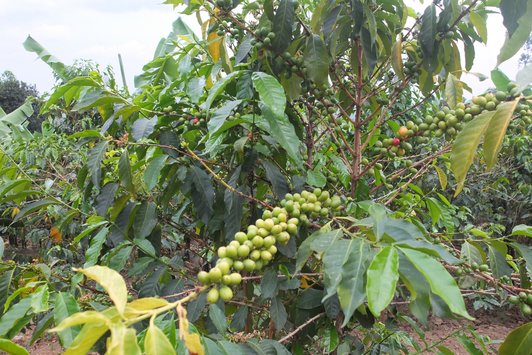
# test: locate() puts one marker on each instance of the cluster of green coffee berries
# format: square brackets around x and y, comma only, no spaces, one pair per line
[252,250]
[229,28]
[264,38]
[185,121]
[310,204]
[449,122]
[524,301]
[473,267]
[445,122]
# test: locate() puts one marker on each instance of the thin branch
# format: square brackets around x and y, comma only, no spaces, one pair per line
[300,328]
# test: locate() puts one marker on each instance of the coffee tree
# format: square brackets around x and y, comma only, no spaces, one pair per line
[292,164]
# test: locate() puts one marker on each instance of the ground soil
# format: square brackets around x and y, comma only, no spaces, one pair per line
[495,324]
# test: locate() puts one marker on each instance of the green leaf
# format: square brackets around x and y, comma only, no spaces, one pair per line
[219,87]
[16,120]
[90,228]
[500,79]
[111,281]
[333,260]
[317,60]
[94,161]
[96,98]
[523,77]
[195,307]
[151,175]
[316,178]
[496,130]
[522,229]
[465,147]
[219,116]
[269,284]
[271,93]
[497,258]
[142,128]
[382,276]
[278,313]
[145,219]
[32,45]
[351,290]
[283,131]
[6,277]
[330,339]
[156,342]
[305,250]
[217,317]
[42,325]
[469,345]
[65,306]
[427,36]
[282,25]
[310,298]
[511,10]
[370,49]
[480,25]
[12,348]
[94,250]
[397,60]
[238,322]
[124,172]
[471,253]
[13,315]
[273,174]
[469,50]
[518,342]
[514,41]
[34,206]
[400,230]
[453,90]
[243,49]
[440,281]
[39,299]
[202,193]
[18,292]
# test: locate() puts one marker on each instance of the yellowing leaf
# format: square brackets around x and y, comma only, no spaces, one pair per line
[193,343]
[123,341]
[453,90]
[148,303]
[397,61]
[496,131]
[465,147]
[304,283]
[145,304]
[14,212]
[214,45]
[81,318]
[192,340]
[111,281]
[156,342]
[90,333]
[442,177]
